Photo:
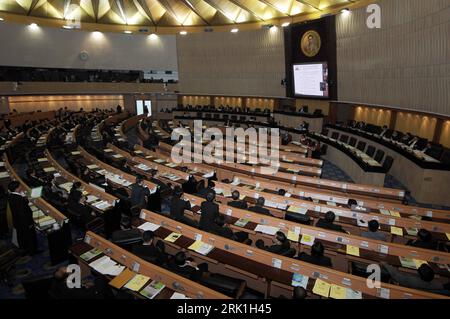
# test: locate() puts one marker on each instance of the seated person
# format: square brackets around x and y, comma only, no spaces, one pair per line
[78,207]
[299,293]
[75,192]
[147,249]
[373,232]
[236,202]
[328,223]
[424,240]
[209,211]
[182,266]
[317,256]
[177,207]
[352,204]
[282,244]
[59,289]
[204,191]
[424,279]
[259,207]
[220,228]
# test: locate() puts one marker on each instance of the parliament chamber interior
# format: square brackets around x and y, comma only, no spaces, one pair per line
[225,149]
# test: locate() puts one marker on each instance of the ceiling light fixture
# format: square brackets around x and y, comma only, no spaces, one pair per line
[127,32]
[285,24]
[183,32]
[235,30]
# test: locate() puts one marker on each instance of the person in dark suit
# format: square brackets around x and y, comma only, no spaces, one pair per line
[98,289]
[423,280]
[177,207]
[190,186]
[22,218]
[328,223]
[220,228]
[139,193]
[210,211]
[424,240]
[236,202]
[147,249]
[182,266]
[281,245]
[75,192]
[78,207]
[317,256]
[204,191]
[259,207]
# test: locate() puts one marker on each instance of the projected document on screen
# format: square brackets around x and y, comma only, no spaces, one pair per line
[311,79]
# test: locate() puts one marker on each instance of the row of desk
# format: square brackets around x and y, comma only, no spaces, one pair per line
[427,180]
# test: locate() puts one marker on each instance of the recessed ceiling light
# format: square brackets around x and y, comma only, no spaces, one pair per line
[285,24]
[183,32]
[345,10]
[1,19]
[235,30]
[33,26]
[153,36]
[127,32]
[67,27]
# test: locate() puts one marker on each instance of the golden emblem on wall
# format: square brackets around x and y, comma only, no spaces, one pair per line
[310,43]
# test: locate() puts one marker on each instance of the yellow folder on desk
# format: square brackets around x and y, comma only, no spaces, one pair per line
[307,240]
[172,237]
[396,231]
[352,250]
[226,193]
[448,236]
[321,288]
[338,292]
[293,236]
[394,213]
[419,263]
[196,245]
[137,282]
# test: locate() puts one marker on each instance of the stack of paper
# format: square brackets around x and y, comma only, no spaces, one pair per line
[94,252]
[149,226]
[241,222]
[270,204]
[91,199]
[92,166]
[297,210]
[66,186]
[102,205]
[177,295]
[407,262]
[269,230]
[201,247]
[152,290]
[107,266]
